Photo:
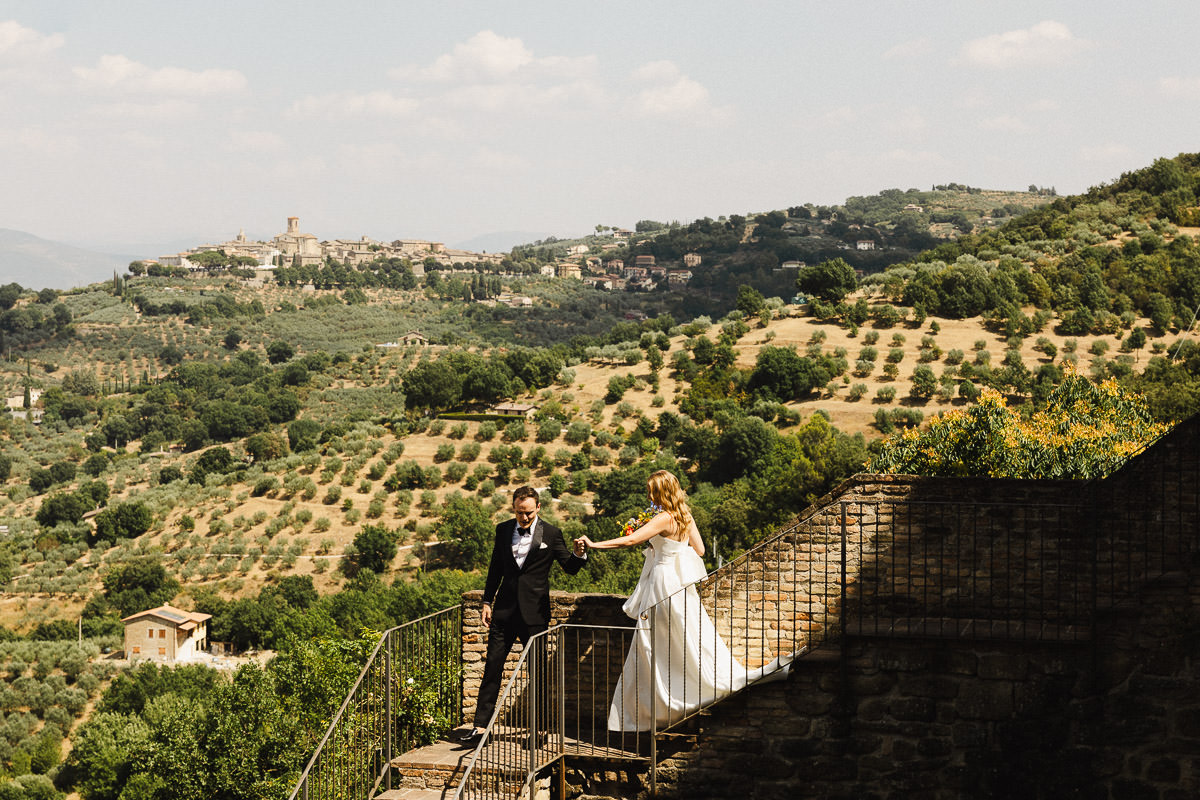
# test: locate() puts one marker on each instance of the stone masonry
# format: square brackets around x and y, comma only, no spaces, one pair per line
[994,639]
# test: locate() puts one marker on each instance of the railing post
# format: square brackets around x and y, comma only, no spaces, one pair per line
[389,719]
[842,602]
[653,717]
[561,685]
[533,711]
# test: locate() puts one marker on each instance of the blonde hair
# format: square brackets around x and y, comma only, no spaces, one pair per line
[666,493]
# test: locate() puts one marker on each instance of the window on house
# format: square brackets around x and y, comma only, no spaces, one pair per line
[151,633]
[136,650]
[162,651]
[162,633]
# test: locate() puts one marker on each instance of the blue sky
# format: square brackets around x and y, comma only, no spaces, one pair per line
[143,124]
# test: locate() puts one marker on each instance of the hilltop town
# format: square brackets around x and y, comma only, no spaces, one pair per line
[294,248]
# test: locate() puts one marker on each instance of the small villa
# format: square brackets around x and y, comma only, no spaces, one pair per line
[514,409]
[166,634]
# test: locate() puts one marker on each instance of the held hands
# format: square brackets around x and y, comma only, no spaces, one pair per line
[580,546]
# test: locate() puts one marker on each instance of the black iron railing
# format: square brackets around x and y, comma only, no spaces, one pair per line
[867,566]
[407,695]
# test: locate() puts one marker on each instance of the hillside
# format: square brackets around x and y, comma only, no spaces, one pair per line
[38,263]
[248,449]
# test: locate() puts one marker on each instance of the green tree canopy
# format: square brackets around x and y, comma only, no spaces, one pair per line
[829,281]
[1086,430]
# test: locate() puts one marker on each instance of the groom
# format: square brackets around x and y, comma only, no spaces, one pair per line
[516,596]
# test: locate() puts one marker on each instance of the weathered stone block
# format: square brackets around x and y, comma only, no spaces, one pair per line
[921,709]
[1003,666]
[939,687]
[985,700]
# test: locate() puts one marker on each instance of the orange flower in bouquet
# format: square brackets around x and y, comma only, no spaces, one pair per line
[643,516]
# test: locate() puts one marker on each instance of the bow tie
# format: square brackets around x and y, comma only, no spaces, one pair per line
[523,532]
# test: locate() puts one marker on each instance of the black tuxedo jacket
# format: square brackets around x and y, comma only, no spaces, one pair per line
[525,590]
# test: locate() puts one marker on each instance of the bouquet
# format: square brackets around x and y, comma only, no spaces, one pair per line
[643,516]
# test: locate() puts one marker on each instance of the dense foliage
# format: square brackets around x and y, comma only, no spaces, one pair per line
[1085,430]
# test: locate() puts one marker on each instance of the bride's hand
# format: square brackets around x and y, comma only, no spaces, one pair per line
[588,543]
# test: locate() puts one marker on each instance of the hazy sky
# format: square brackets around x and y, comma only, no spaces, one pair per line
[161,121]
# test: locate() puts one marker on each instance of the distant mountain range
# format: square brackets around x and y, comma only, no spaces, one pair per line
[499,242]
[38,263]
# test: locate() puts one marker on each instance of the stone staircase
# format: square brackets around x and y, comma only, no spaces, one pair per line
[428,773]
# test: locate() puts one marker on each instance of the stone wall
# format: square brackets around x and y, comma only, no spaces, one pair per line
[994,639]
[594,655]
[1117,718]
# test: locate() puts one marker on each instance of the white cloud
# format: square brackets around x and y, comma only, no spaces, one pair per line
[910,49]
[18,42]
[1180,88]
[354,104]
[490,73]
[1006,123]
[485,56]
[670,92]
[488,57]
[524,96]
[1046,43]
[119,73]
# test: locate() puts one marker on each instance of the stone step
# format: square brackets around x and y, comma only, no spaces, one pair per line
[414,794]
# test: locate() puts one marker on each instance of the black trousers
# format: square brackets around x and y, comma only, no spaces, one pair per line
[500,642]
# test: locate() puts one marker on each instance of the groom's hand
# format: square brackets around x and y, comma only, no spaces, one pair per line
[486,615]
[580,547]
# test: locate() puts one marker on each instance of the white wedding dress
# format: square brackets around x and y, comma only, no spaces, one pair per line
[677,661]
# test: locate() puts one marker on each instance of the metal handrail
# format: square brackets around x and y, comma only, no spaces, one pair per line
[350,770]
[528,729]
[892,566]
[501,704]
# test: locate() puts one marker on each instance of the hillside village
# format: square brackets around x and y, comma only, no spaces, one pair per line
[869,232]
[262,446]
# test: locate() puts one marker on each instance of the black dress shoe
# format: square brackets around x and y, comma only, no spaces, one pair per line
[469,736]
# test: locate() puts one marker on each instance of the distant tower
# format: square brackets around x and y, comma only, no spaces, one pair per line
[241,235]
[293,225]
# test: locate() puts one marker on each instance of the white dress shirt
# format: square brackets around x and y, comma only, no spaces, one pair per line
[522,544]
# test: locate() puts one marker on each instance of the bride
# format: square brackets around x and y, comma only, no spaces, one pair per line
[677,661]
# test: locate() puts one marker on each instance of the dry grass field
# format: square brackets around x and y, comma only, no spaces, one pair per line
[295,534]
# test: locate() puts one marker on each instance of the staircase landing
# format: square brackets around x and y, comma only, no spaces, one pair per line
[433,772]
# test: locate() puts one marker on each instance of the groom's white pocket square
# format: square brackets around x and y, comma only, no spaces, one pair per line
[542,546]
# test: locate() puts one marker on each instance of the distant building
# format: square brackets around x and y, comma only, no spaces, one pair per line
[643,261]
[296,247]
[165,634]
[914,207]
[865,244]
[514,409]
[414,337]
[577,250]
[569,271]
[679,277]
[691,260]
